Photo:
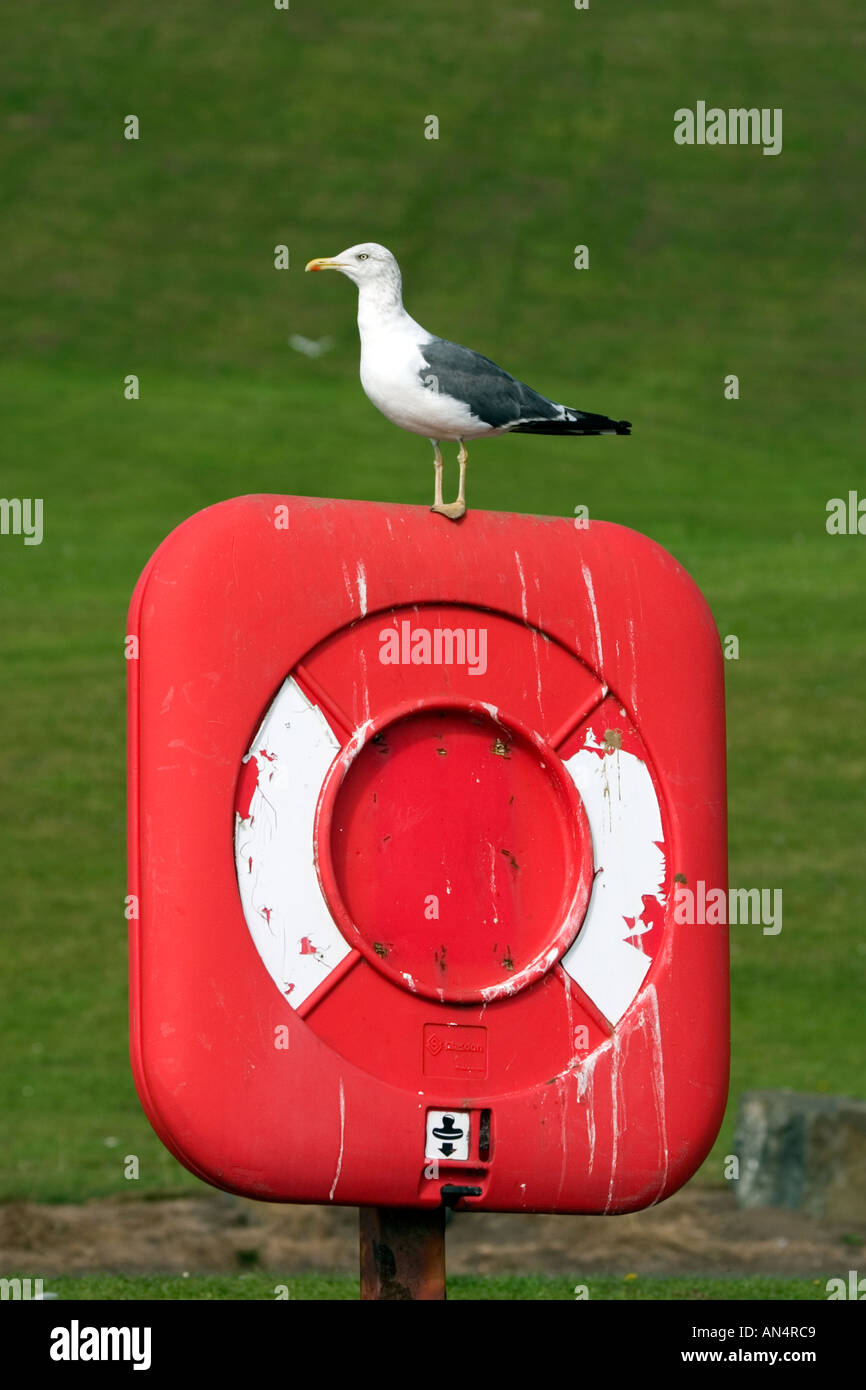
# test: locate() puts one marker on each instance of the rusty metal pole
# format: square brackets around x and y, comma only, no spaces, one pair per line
[402,1253]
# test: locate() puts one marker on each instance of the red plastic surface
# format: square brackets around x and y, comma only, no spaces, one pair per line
[383,871]
[436,793]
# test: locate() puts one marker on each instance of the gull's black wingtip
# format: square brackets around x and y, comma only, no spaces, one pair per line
[623,426]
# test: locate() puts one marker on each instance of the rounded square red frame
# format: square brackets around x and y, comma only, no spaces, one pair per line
[225,608]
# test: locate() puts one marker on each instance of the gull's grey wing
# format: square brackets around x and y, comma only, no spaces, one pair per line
[496,397]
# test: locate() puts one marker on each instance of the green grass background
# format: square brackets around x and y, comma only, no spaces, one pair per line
[306,127]
[511,1288]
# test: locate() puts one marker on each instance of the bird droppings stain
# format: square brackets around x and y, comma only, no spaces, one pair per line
[612,739]
[507,961]
[510,857]
[307,947]
[380,949]
[443,752]
[501,749]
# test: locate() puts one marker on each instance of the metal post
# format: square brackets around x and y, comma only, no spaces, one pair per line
[402,1253]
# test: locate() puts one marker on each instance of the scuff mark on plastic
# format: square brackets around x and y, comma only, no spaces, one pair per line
[562,1098]
[342,1140]
[658,1070]
[587,579]
[616,1045]
[585,1093]
[523,608]
[362,655]
[348,583]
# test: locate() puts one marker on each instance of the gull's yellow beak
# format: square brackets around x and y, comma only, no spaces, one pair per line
[323,263]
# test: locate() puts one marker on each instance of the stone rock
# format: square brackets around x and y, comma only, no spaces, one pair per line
[804,1152]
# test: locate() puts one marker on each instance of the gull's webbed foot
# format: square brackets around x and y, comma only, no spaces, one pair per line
[453,510]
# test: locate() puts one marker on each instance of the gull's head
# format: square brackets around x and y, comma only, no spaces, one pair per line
[367,264]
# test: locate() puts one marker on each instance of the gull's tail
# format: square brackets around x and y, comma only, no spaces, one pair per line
[574,422]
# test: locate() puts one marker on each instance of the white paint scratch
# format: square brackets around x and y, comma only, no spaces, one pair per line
[614,1113]
[362,589]
[630,622]
[523,606]
[586,1073]
[535,636]
[587,579]
[644,1018]
[658,1069]
[342,1139]
[365,686]
[348,582]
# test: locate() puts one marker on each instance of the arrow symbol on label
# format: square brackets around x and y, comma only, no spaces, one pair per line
[448,1131]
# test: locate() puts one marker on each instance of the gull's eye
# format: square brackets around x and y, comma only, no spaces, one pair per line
[363,256]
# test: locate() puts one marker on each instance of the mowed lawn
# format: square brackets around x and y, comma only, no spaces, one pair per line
[155,257]
[504,1288]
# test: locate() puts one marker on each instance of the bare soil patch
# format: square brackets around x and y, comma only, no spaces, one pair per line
[697,1231]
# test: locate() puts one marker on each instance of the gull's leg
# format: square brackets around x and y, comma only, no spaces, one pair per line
[437,487]
[462,459]
[454,510]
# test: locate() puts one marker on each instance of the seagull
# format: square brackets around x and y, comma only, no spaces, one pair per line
[437,388]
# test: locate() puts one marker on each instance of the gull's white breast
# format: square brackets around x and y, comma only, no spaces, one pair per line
[399,382]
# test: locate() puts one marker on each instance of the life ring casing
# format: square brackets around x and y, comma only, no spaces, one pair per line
[408,804]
